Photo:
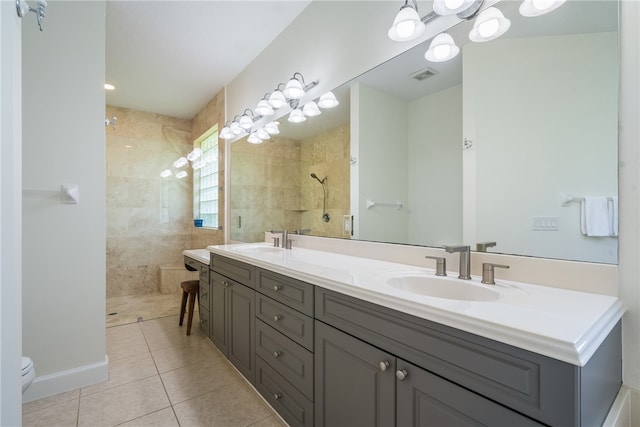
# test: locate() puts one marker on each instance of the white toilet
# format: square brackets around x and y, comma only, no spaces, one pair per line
[28,373]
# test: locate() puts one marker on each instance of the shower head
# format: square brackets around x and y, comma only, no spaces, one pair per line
[313,175]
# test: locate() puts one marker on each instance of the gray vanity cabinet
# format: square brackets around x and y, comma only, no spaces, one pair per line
[233,312]
[284,346]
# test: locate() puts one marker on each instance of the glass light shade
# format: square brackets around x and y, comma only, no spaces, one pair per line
[311,109]
[165,173]
[254,139]
[193,155]
[263,134]
[489,25]
[180,163]
[235,128]
[296,116]
[245,122]
[272,128]
[293,89]
[226,133]
[264,109]
[328,100]
[450,7]
[277,99]
[109,86]
[407,25]
[181,174]
[198,164]
[442,48]
[539,7]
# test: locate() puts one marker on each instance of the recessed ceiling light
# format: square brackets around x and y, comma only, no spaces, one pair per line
[109,86]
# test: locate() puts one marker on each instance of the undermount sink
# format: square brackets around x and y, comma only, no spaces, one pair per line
[441,287]
[258,249]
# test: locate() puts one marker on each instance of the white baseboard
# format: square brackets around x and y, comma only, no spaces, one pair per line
[625,411]
[60,382]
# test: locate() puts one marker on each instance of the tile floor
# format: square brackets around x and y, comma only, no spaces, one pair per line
[158,377]
[127,309]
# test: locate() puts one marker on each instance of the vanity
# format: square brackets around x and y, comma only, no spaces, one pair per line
[336,340]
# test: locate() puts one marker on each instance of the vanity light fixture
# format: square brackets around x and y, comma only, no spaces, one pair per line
[465,9]
[311,109]
[166,173]
[181,174]
[442,48]
[254,138]
[533,8]
[180,163]
[226,133]
[109,86]
[296,87]
[246,120]
[272,128]
[489,25]
[297,116]
[328,100]
[194,154]
[277,99]
[235,128]
[407,24]
[264,109]
[263,134]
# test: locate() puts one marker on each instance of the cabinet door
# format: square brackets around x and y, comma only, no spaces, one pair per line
[352,387]
[424,399]
[241,328]
[218,313]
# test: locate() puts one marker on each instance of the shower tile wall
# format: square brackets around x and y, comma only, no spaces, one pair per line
[149,219]
[271,187]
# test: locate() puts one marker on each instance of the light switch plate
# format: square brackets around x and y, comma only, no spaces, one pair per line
[546,223]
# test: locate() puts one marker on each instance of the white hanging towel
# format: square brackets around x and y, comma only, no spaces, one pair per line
[613,215]
[594,216]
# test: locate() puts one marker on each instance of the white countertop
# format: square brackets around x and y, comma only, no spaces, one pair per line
[200,255]
[562,324]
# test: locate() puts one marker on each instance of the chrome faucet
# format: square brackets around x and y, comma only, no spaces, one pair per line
[286,242]
[464,271]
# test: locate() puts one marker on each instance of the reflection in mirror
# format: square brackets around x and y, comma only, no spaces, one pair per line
[480,148]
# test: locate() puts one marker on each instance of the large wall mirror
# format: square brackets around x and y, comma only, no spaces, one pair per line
[499,145]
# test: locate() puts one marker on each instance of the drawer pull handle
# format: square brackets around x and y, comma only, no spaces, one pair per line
[277,318]
[384,365]
[402,374]
[277,396]
[277,288]
[277,354]
[226,284]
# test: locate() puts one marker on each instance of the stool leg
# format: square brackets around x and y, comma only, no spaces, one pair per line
[192,301]
[183,306]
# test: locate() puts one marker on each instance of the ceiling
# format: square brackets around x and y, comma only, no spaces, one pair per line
[173,57]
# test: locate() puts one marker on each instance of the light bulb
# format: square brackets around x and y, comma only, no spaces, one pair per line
[442,48]
[539,7]
[296,116]
[245,122]
[488,28]
[293,89]
[180,163]
[328,100]
[489,25]
[272,128]
[193,155]
[277,99]
[181,174]
[226,133]
[254,139]
[263,134]
[235,128]
[407,25]
[166,173]
[264,109]
[311,109]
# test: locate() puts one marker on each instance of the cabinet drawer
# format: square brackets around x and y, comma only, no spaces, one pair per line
[193,265]
[296,409]
[291,292]
[204,295]
[533,384]
[235,270]
[293,362]
[291,323]
[204,321]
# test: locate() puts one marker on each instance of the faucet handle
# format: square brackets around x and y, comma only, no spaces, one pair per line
[441,265]
[276,242]
[488,272]
[482,247]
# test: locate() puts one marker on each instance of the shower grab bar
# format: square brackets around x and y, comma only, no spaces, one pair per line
[397,205]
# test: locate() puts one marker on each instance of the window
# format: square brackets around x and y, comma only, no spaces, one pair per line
[205,180]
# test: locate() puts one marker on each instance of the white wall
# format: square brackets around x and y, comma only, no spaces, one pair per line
[10,216]
[64,244]
[382,163]
[531,148]
[435,168]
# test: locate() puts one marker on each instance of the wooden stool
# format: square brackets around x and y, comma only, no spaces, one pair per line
[191,289]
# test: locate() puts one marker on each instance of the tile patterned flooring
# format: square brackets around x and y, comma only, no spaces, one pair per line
[158,376]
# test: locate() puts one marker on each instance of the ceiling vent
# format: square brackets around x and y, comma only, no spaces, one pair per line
[423,74]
